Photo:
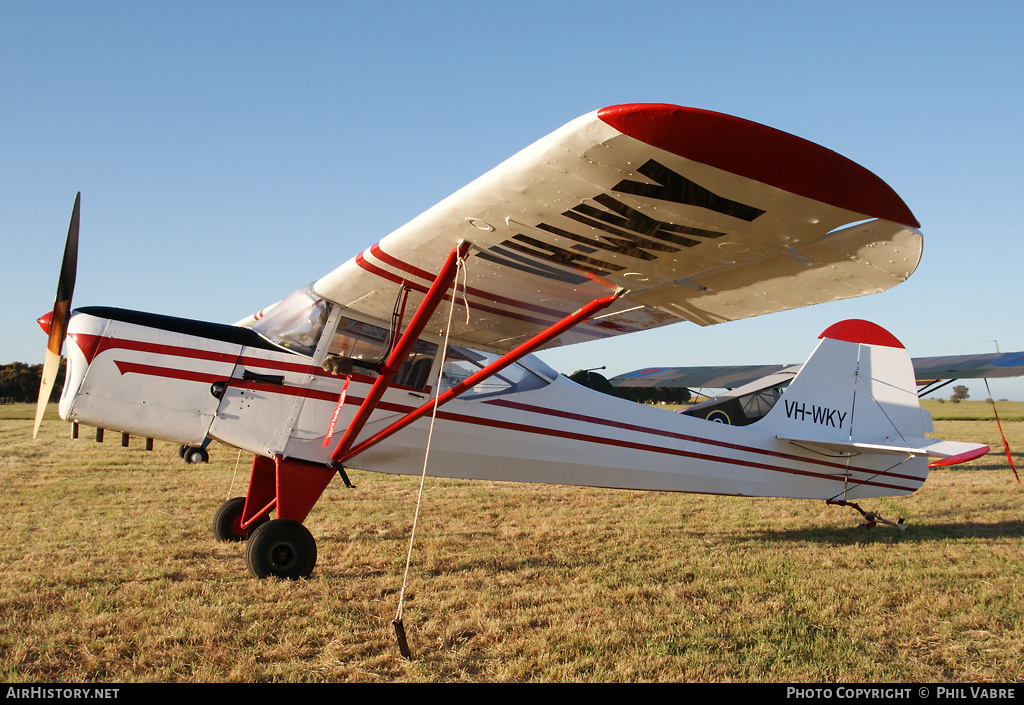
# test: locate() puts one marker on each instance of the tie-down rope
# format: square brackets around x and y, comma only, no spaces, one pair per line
[403,645]
[1006,446]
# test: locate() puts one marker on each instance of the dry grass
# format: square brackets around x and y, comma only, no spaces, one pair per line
[111,574]
[974,410]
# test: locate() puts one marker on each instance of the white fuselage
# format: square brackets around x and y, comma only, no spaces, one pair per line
[154,376]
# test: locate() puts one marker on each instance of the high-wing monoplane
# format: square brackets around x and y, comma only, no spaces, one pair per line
[628,218]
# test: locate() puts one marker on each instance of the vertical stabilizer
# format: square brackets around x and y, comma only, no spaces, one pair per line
[857,393]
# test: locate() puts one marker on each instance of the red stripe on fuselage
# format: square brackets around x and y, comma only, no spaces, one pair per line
[634,445]
[98,344]
[331,396]
[685,437]
[125,367]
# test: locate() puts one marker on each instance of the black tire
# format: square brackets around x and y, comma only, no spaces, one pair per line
[281,548]
[228,518]
[194,456]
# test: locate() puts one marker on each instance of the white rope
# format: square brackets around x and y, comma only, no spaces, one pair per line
[426,455]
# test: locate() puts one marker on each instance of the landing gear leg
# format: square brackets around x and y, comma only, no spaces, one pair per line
[283,547]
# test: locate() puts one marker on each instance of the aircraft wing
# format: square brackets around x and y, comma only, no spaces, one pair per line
[990,366]
[926,370]
[712,377]
[700,216]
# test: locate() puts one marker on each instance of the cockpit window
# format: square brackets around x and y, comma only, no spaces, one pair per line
[759,403]
[296,323]
[368,344]
[461,363]
[359,341]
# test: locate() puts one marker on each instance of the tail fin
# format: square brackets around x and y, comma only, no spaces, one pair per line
[857,394]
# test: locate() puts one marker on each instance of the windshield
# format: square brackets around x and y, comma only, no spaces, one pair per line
[296,323]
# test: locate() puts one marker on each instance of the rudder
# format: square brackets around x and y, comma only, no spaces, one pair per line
[858,386]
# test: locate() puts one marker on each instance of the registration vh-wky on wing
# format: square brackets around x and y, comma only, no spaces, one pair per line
[628,218]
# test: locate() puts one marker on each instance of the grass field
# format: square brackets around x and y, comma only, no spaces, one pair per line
[974,410]
[111,574]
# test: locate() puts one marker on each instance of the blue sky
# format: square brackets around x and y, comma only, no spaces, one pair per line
[229,152]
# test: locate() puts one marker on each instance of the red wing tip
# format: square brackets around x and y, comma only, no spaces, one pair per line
[620,116]
[612,111]
[857,331]
[761,153]
[960,458]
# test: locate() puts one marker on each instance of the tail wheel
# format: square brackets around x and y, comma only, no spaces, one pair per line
[227,521]
[281,548]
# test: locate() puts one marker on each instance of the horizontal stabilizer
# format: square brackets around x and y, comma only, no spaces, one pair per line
[948,452]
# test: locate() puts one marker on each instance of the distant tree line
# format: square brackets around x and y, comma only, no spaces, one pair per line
[19,382]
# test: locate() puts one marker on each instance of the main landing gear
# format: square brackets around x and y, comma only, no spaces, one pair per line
[275,548]
[281,547]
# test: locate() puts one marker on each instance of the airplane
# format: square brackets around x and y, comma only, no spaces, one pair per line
[422,346]
[752,390]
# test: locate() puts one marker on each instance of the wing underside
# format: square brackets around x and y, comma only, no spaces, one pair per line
[701,217]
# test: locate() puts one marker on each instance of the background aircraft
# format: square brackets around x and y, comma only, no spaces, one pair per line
[751,390]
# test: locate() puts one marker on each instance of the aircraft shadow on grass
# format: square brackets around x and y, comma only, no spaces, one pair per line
[920,533]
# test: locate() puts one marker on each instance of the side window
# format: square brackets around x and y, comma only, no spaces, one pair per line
[367,343]
[461,363]
[359,341]
[758,404]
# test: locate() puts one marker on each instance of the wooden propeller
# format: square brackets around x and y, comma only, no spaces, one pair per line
[58,323]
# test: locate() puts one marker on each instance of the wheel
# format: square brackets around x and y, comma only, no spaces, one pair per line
[181,451]
[281,548]
[194,456]
[227,521]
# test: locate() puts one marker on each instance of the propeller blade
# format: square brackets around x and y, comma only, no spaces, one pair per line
[58,323]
